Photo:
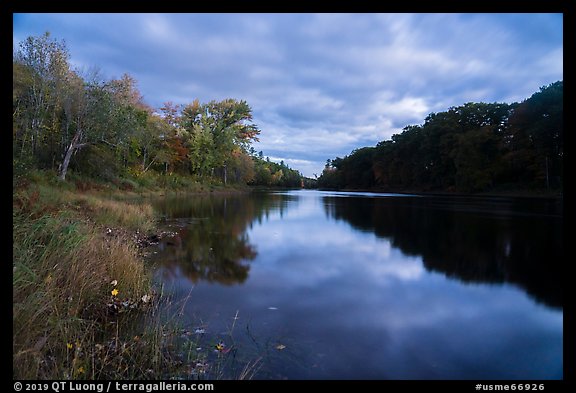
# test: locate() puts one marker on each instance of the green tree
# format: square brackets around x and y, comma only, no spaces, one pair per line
[109,113]
[216,130]
[473,147]
[40,78]
[535,143]
[58,113]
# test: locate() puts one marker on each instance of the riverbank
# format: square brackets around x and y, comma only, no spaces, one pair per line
[503,193]
[84,306]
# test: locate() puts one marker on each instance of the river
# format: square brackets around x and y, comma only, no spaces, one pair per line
[332,285]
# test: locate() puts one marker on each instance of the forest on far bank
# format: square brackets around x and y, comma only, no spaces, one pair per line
[66,121]
[475,147]
[80,124]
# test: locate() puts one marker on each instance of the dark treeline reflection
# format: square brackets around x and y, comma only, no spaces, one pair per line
[211,241]
[493,240]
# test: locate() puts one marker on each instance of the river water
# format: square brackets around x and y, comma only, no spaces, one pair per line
[332,285]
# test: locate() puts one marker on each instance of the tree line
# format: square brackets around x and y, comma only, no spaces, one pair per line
[103,129]
[475,147]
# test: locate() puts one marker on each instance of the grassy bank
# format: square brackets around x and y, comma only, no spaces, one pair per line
[83,302]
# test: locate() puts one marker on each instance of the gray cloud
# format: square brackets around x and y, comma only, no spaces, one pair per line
[320,85]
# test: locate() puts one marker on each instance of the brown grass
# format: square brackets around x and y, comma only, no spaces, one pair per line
[63,266]
[67,323]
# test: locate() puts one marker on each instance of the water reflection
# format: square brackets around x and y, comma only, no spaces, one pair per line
[210,241]
[372,288]
[492,240]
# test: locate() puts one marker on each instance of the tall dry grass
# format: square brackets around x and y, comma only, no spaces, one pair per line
[63,269]
[83,302]
[129,215]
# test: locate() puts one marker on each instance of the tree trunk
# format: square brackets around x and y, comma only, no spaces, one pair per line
[67,157]
[149,165]
[74,145]
[225,174]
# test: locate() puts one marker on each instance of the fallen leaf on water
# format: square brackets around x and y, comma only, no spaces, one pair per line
[221,347]
[280,347]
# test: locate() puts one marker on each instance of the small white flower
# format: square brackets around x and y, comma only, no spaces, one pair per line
[146,298]
[114,282]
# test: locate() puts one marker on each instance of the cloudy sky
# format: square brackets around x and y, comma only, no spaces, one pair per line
[320,85]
